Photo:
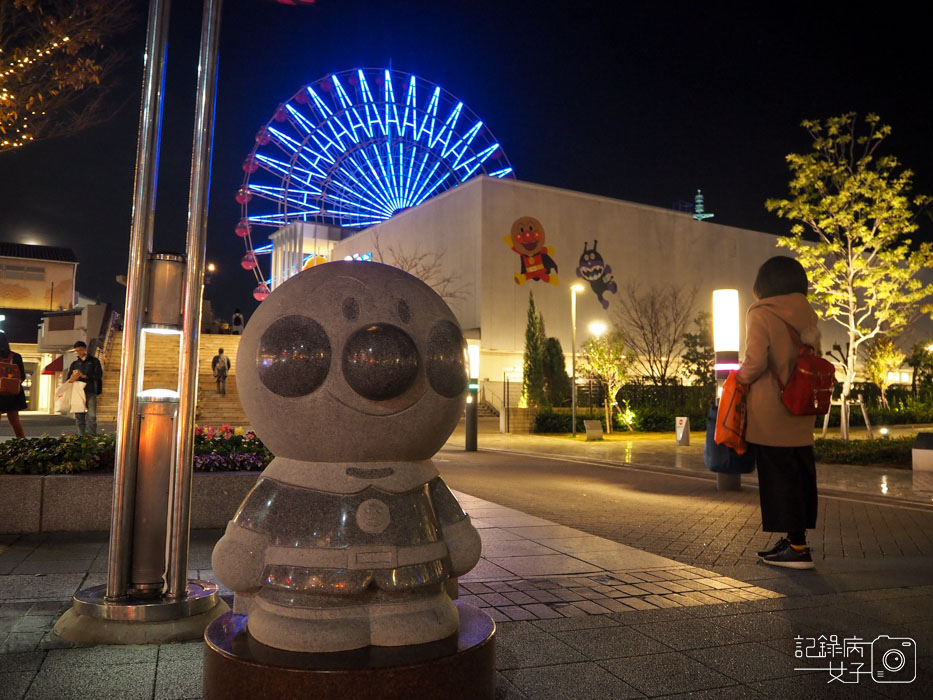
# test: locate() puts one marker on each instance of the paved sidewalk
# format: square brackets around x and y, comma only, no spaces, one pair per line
[660,452]
[608,578]
[579,617]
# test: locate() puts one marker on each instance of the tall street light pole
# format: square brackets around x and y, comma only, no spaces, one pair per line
[574,289]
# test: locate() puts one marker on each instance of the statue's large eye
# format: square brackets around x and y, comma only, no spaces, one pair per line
[446,360]
[294,356]
[380,362]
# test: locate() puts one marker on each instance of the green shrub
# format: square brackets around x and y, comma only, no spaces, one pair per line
[887,451]
[559,421]
[69,454]
[649,419]
[223,449]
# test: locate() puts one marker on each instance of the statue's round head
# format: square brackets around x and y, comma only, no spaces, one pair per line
[353,361]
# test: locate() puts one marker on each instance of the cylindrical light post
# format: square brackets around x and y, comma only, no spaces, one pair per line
[726,352]
[725,334]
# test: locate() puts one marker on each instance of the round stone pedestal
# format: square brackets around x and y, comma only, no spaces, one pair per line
[460,667]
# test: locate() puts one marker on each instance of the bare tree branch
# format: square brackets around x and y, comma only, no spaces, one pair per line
[654,321]
[426,265]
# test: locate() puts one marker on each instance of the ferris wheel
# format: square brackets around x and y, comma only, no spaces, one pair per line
[355,148]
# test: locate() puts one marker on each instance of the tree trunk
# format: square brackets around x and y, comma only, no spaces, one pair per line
[846,391]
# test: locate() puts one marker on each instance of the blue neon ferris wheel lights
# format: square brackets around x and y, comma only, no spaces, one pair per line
[356,147]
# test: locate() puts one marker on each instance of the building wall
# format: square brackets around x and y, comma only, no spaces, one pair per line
[445,230]
[643,245]
[36,284]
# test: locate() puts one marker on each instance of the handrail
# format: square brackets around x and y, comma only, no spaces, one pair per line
[107,334]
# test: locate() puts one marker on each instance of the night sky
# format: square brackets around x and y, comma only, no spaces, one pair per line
[644,102]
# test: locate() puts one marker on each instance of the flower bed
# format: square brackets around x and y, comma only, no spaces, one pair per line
[215,449]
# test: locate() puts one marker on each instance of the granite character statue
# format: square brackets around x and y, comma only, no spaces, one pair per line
[353,374]
[527,239]
[594,270]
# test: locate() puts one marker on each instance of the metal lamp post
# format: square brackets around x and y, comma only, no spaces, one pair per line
[471,419]
[150,523]
[574,290]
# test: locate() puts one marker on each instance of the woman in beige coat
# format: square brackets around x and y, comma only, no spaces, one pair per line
[781,442]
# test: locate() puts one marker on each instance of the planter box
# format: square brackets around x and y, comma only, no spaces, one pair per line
[82,502]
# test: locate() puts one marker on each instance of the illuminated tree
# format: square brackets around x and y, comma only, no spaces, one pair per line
[883,358]
[55,66]
[607,359]
[856,203]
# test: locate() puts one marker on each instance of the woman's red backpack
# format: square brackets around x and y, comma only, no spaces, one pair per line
[809,389]
[10,381]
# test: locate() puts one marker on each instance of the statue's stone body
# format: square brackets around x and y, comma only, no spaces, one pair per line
[353,374]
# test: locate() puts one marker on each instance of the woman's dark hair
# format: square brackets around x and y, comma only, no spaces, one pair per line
[4,345]
[780,275]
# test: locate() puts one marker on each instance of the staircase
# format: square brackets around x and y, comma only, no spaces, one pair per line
[161,371]
[485,410]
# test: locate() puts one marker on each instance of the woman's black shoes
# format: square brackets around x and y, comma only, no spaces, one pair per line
[781,543]
[790,558]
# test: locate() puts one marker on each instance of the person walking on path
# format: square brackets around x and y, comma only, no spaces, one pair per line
[87,369]
[236,324]
[12,404]
[781,442]
[220,365]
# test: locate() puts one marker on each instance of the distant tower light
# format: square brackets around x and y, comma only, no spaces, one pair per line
[699,211]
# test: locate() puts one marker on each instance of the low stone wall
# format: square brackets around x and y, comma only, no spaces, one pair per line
[520,420]
[82,502]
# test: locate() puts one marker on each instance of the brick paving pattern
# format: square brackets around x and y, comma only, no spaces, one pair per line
[571,596]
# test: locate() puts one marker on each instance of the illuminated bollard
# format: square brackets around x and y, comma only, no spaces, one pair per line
[157,411]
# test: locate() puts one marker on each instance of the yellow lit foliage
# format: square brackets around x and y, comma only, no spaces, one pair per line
[855,206]
[54,65]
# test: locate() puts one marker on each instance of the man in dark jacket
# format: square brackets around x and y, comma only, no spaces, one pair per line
[220,366]
[87,369]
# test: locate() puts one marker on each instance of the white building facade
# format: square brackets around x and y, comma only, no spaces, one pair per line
[463,232]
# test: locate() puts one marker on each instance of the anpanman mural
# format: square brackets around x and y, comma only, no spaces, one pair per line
[527,239]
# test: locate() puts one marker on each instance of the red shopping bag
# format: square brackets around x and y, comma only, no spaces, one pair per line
[730,422]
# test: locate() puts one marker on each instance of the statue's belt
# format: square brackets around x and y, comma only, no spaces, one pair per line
[356,557]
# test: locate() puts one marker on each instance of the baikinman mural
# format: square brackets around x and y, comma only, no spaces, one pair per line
[597,273]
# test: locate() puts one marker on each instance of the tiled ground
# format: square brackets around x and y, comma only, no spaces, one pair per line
[533,569]
[579,617]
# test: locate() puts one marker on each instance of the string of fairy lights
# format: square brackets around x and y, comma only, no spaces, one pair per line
[11,71]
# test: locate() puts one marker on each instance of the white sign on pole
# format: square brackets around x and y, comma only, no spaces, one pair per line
[682,430]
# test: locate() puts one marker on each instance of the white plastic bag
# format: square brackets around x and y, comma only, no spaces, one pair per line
[63,399]
[70,398]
